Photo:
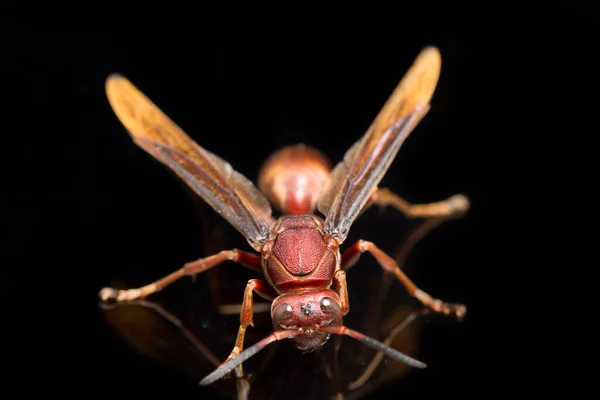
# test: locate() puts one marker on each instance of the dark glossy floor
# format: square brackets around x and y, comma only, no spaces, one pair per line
[87,208]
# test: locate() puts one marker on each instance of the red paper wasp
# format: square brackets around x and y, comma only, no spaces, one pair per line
[300,254]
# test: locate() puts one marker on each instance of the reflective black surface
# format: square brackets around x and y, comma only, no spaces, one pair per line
[83,207]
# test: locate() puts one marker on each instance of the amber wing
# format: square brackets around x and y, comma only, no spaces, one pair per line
[356,177]
[229,193]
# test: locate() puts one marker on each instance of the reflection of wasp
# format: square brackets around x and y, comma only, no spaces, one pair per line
[299,252]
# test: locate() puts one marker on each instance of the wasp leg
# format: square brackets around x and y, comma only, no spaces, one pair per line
[455,205]
[246,259]
[265,291]
[388,264]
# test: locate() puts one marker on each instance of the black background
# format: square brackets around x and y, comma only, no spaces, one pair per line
[84,206]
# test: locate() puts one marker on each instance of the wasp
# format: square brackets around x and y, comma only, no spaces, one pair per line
[299,253]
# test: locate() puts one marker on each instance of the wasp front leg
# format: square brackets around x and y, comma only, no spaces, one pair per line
[265,291]
[341,288]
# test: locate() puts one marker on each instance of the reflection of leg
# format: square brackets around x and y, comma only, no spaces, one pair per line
[378,289]
[242,385]
[454,205]
[337,388]
[350,256]
[418,234]
[265,291]
[246,259]
[388,341]
[236,309]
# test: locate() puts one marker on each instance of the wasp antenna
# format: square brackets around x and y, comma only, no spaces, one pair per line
[226,367]
[377,345]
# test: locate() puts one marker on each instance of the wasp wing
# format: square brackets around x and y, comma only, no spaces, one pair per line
[356,177]
[228,192]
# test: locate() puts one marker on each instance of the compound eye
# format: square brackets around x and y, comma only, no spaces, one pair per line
[330,306]
[282,312]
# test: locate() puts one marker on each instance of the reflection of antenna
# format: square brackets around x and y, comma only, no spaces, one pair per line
[388,341]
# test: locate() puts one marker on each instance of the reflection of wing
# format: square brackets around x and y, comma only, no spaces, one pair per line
[227,191]
[355,178]
[154,332]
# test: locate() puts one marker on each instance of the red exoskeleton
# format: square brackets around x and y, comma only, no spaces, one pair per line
[299,252]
